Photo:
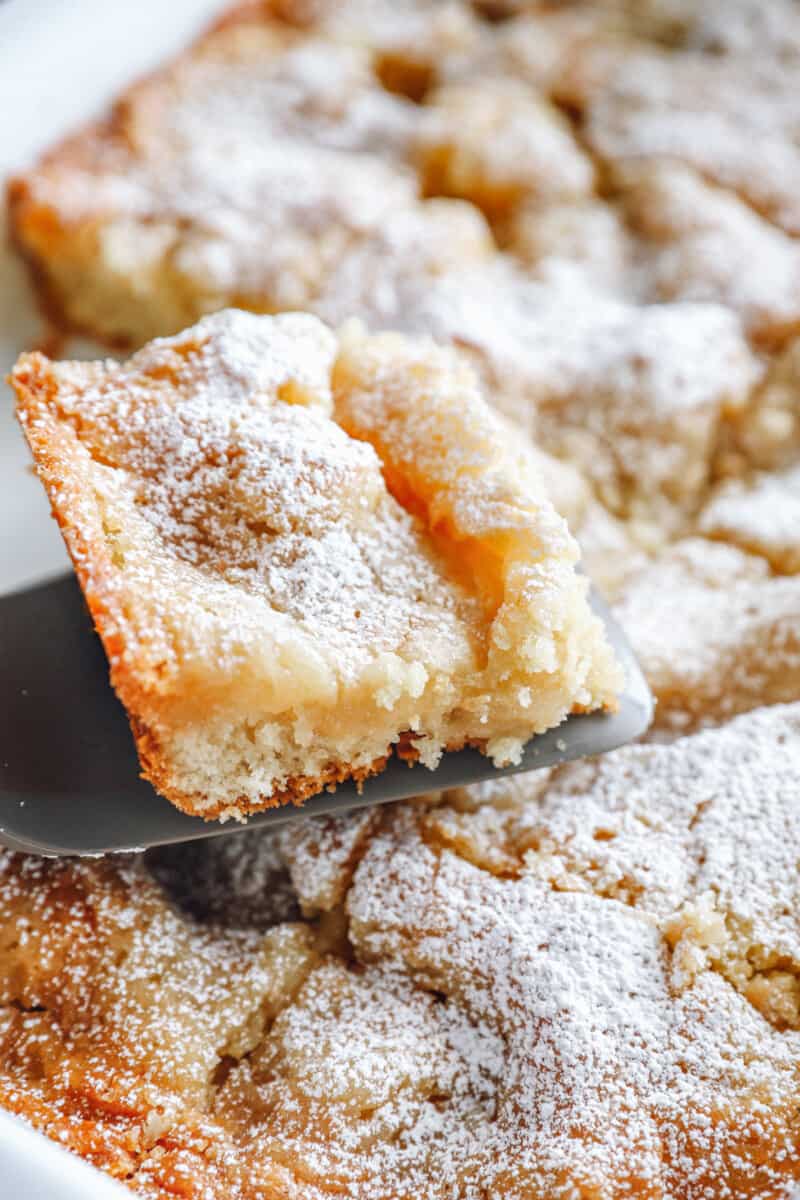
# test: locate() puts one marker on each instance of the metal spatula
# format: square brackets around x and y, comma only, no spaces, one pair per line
[69,775]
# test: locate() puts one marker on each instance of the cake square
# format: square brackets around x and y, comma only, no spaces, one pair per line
[240,174]
[302,551]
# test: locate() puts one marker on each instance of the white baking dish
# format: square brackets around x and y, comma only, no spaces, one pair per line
[59,65]
[34,1168]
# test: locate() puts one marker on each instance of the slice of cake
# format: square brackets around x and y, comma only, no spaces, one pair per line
[300,553]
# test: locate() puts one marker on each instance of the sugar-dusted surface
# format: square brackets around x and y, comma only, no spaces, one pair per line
[714,632]
[593,378]
[667,234]
[762,515]
[109,1039]
[579,984]
[587,238]
[224,439]
[703,243]
[602,1058]
[679,830]
[281,601]
[495,143]
[608,998]
[241,176]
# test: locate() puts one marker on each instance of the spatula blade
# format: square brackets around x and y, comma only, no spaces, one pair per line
[69,775]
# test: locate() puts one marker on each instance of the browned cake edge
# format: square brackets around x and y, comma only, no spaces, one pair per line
[32,224]
[298,789]
[54,448]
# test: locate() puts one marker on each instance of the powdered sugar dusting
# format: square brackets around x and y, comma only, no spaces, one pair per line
[268,495]
[322,854]
[132,1021]
[584,981]
[594,379]
[734,120]
[713,632]
[761,515]
[706,244]
[600,1056]
[227,360]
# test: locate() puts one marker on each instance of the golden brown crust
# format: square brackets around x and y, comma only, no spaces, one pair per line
[27,222]
[297,790]
[54,459]
[36,232]
[34,228]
